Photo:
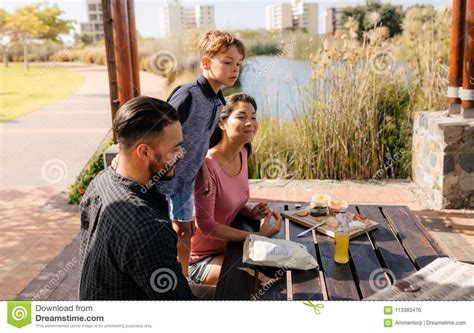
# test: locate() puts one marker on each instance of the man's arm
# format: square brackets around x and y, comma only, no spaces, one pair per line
[149,257]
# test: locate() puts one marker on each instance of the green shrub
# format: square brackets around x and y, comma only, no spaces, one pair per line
[92,169]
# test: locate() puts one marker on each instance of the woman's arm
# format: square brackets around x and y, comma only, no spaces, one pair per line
[267,229]
[257,212]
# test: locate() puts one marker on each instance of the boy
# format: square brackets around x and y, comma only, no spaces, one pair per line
[199,104]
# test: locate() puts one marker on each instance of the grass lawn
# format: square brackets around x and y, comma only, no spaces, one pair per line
[24,92]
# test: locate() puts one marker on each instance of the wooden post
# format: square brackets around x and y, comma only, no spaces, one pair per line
[133,47]
[468,61]
[110,56]
[455,55]
[122,50]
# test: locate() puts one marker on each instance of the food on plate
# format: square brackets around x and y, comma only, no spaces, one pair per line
[331,222]
[356,225]
[302,212]
[359,217]
[319,204]
[336,205]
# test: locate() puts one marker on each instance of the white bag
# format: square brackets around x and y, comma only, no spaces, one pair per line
[263,251]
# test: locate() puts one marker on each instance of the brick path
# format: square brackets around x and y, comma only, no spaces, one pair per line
[42,153]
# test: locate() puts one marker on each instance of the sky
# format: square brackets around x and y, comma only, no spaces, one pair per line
[229,14]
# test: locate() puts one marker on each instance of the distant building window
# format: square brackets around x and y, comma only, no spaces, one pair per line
[93,17]
[92,6]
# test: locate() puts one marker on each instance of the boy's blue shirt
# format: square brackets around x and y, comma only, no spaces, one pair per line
[199,108]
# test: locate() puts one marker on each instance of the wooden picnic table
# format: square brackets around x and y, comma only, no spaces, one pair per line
[398,248]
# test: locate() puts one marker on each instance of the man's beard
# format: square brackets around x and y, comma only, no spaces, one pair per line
[165,173]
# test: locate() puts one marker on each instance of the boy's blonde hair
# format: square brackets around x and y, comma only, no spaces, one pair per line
[213,40]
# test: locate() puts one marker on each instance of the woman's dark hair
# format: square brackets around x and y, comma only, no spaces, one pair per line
[140,118]
[231,101]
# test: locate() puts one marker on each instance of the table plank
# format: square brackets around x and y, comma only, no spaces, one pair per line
[387,246]
[365,263]
[411,237]
[236,280]
[339,279]
[271,284]
[306,284]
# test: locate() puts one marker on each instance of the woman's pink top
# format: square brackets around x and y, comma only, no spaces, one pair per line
[229,195]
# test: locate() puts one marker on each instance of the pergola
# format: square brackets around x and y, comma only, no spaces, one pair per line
[461,66]
[122,55]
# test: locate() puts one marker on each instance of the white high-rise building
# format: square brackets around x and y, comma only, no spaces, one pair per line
[279,17]
[176,19]
[297,15]
[95,26]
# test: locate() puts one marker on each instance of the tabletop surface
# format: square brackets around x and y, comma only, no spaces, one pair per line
[399,247]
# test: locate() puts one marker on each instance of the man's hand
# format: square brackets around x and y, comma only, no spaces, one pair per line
[267,229]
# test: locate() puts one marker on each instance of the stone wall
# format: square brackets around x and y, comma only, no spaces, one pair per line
[443,159]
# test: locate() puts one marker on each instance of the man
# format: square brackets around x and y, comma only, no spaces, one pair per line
[128,245]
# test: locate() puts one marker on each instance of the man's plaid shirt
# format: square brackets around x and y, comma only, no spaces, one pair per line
[128,246]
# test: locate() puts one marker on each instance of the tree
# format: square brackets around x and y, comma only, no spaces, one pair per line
[50,16]
[4,35]
[375,14]
[83,38]
[37,21]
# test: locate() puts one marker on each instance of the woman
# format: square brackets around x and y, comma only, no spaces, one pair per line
[227,164]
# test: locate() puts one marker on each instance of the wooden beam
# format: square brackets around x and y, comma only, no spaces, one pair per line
[468,60]
[110,56]
[122,50]
[133,47]
[456,51]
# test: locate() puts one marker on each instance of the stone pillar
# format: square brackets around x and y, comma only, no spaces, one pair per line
[443,159]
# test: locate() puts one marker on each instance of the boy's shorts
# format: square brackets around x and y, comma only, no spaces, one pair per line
[181,204]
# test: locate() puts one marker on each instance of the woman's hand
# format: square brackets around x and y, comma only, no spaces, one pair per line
[267,229]
[259,211]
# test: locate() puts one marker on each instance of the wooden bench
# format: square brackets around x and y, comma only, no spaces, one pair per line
[398,248]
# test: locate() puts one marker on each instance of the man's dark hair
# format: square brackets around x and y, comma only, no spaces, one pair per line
[140,118]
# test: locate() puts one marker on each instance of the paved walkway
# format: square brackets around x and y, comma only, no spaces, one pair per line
[42,154]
